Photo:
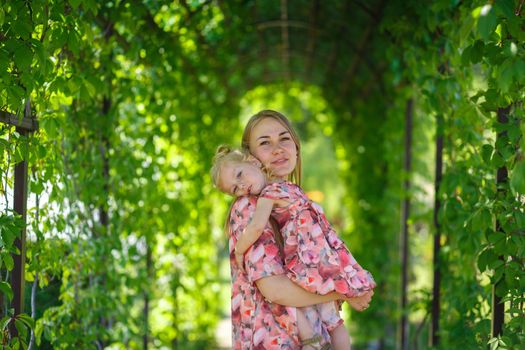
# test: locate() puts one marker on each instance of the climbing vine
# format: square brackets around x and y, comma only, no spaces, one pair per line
[124,246]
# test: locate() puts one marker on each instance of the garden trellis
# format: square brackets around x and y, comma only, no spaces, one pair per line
[133,96]
[24,125]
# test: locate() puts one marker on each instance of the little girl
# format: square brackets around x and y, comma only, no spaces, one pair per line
[315,257]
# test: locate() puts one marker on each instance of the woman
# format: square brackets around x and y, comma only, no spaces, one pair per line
[264,299]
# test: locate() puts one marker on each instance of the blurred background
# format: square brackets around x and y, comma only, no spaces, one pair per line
[411,119]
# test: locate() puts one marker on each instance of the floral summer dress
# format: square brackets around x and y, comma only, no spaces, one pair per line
[257,323]
[315,257]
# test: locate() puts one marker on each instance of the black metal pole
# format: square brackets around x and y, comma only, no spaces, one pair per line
[20,207]
[502,176]
[434,333]
[146,311]
[404,224]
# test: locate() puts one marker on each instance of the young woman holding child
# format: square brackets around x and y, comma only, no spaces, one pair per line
[315,258]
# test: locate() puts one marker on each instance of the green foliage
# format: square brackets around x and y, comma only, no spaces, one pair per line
[133,97]
[481,73]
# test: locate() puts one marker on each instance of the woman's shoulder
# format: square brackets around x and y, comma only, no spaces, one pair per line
[282,188]
[275,189]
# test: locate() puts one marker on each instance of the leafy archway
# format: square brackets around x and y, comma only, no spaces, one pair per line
[132,97]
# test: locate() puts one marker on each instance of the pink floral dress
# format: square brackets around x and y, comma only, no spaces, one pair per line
[257,323]
[315,257]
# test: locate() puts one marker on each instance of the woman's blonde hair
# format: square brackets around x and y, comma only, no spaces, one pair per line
[295,176]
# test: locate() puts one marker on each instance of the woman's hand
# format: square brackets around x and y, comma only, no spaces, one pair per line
[360,303]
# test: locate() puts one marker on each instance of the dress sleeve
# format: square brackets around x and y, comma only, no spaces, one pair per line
[262,259]
[276,190]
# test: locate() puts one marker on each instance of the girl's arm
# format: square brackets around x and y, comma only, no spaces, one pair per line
[281,290]
[255,228]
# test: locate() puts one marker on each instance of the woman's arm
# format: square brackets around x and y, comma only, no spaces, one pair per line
[281,290]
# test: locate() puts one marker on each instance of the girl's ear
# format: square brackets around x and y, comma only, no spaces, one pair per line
[254,161]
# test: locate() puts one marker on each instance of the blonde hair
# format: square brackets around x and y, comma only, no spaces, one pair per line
[295,176]
[224,155]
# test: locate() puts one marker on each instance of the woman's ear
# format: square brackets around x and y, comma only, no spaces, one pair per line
[254,161]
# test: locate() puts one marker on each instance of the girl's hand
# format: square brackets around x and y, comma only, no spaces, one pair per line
[360,303]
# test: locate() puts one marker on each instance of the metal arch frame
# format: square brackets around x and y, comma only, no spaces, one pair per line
[285,23]
[24,126]
[313,31]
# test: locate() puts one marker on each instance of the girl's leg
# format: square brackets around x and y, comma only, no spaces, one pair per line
[334,323]
[306,330]
[309,339]
[340,338]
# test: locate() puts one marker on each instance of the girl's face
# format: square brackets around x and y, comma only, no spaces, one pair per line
[241,179]
[272,144]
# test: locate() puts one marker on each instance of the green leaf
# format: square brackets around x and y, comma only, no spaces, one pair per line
[493,340]
[5,288]
[4,145]
[75,3]
[519,217]
[37,187]
[506,75]
[514,134]
[466,56]
[497,160]
[485,258]
[38,331]
[486,153]
[519,70]
[22,28]
[495,237]
[487,22]
[50,125]
[58,37]
[91,5]
[505,8]
[466,28]
[514,28]
[507,152]
[23,57]
[27,320]
[8,261]
[21,328]
[15,344]
[72,42]
[477,51]
[41,151]
[481,220]
[517,178]
[500,247]
[492,100]
[8,235]
[4,323]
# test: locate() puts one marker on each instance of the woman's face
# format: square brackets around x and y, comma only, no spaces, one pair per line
[272,144]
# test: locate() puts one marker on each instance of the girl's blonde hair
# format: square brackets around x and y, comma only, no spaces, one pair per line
[223,155]
[295,176]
